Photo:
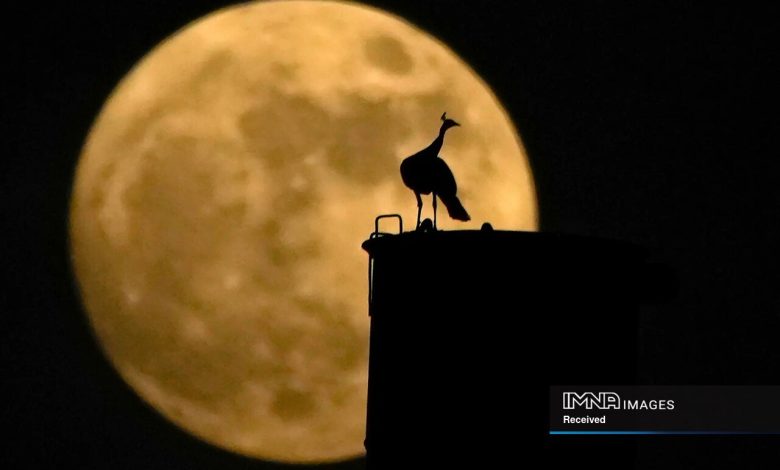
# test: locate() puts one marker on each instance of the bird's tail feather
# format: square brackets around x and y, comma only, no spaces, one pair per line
[455,208]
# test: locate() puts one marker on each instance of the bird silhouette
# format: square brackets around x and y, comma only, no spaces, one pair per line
[425,173]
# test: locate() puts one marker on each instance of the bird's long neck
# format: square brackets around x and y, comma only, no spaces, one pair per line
[438,142]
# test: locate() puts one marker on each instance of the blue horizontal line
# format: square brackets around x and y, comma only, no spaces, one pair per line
[648,433]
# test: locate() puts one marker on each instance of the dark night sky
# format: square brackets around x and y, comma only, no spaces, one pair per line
[648,122]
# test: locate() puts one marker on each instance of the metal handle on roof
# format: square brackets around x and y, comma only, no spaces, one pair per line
[377,233]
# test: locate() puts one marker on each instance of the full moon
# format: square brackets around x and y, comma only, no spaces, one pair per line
[222,196]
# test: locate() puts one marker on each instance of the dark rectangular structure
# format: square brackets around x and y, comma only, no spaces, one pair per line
[470,328]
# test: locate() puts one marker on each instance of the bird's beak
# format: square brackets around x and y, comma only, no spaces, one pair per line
[455,123]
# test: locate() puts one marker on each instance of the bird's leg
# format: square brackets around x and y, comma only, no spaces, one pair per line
[419,209]
[434,212]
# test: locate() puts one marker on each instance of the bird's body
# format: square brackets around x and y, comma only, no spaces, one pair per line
[426,173]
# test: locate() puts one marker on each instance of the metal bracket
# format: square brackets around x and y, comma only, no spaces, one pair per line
[378,234]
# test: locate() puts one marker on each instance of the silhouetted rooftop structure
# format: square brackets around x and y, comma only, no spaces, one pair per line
[470,328]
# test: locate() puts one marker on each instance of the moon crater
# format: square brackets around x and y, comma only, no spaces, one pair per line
[388,54]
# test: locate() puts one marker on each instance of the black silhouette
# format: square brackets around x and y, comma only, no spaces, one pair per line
[519,311]
[425,173]
[425,226]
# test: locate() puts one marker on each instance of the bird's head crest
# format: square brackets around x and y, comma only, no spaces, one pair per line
[447,123]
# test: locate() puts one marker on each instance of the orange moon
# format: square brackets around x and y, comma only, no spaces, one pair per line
[222,196]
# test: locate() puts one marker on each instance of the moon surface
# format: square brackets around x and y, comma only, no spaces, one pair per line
[224,191]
